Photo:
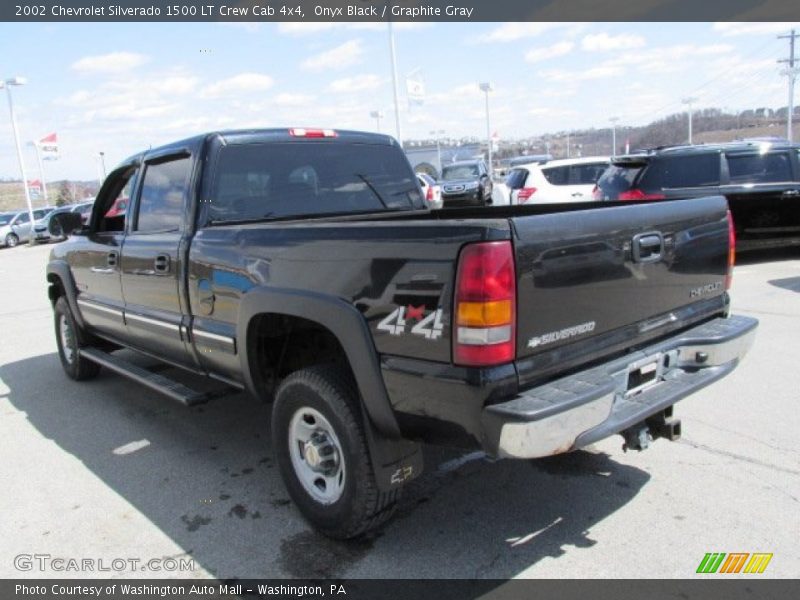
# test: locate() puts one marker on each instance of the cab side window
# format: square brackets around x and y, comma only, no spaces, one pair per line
[161,200]
[115,211]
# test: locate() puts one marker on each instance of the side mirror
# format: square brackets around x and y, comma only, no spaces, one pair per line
[65,223]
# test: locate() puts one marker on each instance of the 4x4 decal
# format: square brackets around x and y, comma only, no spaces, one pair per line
[430,326]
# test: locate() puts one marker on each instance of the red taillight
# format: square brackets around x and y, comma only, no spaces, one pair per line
[429,194]
[524,194]
[637,194]
[485,305]
[312,133]
[731,251]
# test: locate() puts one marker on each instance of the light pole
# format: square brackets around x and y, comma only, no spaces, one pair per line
[487,87]
[394,85]
[436,135]
[7,84]
[614,135]
[102,156]
[377,115]
[689,102]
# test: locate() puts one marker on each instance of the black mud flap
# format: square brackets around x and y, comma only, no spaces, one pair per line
[395,462]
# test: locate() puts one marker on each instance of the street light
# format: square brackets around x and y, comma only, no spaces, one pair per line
[7,84]
[377,115]
[103,164]
[487,87]
[689,102]
[436,135]
[614,135]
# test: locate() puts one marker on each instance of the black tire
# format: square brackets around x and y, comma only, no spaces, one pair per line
[331,393]
[70,338]
[12,240]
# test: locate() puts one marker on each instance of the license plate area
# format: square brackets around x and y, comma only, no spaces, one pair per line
[643,374]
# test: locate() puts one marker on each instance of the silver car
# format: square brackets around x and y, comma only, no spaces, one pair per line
[15,227]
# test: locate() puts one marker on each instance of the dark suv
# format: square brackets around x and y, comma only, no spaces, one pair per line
[761,181]
[466,183]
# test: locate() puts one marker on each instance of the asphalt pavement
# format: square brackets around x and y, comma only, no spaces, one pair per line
[107,470]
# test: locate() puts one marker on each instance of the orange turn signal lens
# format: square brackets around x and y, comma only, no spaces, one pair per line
[485,314]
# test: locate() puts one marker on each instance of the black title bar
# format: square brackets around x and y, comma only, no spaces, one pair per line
[398,10]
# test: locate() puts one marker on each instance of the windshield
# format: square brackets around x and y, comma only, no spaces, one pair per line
[257,181]
[5,219]
[460,172]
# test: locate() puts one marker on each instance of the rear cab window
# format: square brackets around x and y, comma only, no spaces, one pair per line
[290,179]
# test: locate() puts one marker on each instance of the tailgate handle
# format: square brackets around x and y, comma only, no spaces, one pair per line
[647,247]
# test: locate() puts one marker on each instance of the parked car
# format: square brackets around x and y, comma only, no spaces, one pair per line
[466,183]
[565,180]
[305,267]
[431,191]
[15,227]
[760,179]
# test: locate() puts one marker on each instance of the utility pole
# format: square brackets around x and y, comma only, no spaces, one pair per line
[791,73]
[614,135]
[689,102]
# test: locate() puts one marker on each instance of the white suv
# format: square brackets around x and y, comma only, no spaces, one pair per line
[566,180]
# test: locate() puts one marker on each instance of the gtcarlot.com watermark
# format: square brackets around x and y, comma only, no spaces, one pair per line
[59,564]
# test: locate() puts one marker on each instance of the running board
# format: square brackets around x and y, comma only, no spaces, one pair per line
[159,383]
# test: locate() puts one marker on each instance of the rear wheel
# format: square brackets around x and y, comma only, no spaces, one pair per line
[321,449]
[69,340]
[12,240]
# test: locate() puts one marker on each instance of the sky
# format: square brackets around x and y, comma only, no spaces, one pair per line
[121,88]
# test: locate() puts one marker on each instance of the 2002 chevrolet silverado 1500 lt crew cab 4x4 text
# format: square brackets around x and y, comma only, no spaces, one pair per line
[303,266]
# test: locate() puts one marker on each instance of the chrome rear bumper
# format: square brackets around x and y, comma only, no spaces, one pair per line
[585,407]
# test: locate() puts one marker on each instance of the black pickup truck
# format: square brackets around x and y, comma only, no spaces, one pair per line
[303,266]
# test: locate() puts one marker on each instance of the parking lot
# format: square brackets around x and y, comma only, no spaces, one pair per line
[107,469]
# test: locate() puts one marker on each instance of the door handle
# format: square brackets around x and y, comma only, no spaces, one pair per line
[647,247]
[112,259]
[161,263]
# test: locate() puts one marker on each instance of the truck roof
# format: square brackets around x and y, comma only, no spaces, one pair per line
[275,134]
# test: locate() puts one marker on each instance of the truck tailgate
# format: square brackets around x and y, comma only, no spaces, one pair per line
[621,269]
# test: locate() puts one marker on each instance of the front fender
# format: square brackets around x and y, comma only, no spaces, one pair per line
[60,269]
[344,322]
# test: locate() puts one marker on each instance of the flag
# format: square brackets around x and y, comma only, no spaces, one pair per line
[415,89]
[48,147]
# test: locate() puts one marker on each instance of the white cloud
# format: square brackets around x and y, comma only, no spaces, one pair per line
[734,28]
[109,63]
[242,83]
[602,42]
[599,72]
[341,56]
[539,54]
[287,99]
[510,32]
[358,83]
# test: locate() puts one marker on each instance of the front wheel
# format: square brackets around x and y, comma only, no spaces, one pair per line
[68,340]
[12,240]
[319,443]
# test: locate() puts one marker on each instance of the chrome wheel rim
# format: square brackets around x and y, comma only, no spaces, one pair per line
[316,455]
[67,339]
